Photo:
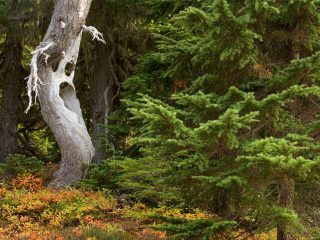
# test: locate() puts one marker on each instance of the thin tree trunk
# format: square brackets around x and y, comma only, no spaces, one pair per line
[286,192]
[59,105]
[103,88]
[10,98]
[285,184]
[103,81]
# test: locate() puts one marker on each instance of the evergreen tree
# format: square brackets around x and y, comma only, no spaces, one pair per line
[226,119]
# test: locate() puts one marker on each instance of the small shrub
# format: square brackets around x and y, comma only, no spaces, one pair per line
[144,213]
[108,232]
[3,192]
[197,229]
[98,177]
[20,164]
[56,209]
[27,181]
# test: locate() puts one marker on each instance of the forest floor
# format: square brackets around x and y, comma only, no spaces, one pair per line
[28,211]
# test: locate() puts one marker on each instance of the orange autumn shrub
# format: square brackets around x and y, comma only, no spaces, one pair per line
[73,214]
[27,181]
[3,192]
[151,234]
[25,214]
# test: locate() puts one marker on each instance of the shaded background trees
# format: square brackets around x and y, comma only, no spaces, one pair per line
[21,23]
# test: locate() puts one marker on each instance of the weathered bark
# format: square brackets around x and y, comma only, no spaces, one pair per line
[286,194]
[11,73]
[103,87]
[60,106]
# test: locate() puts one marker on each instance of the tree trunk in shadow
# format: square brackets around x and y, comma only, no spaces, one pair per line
[285,191]
[103,85]
[286,184]
[10,98]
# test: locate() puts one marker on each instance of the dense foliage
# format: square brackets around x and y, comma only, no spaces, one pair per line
[212,111]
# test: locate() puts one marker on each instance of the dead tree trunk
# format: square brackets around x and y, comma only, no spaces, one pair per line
[52,72]
[10,98]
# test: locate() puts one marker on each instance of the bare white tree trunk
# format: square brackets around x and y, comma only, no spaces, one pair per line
[52,66]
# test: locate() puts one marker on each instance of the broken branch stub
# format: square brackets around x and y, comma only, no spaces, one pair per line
[94,32]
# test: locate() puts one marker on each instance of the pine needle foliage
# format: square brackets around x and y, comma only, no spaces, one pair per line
[241,139]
